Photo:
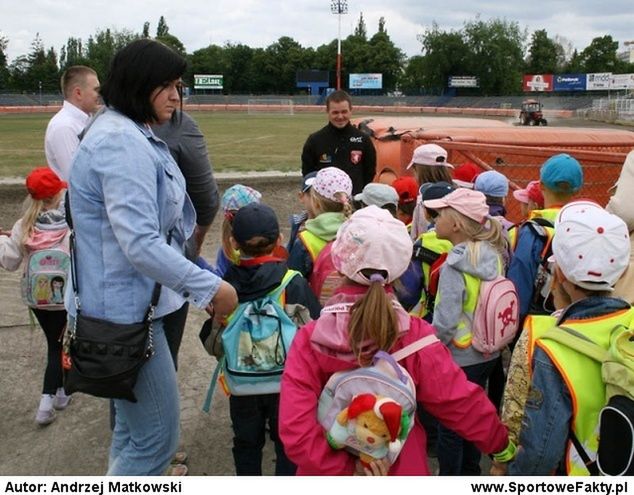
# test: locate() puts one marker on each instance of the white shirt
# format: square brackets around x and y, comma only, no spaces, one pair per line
[62,138]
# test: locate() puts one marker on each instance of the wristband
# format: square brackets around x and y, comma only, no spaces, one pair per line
[507,454]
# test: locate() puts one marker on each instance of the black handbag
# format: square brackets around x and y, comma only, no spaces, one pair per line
[106,357]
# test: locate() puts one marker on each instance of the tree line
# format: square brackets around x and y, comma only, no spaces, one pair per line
[496,51]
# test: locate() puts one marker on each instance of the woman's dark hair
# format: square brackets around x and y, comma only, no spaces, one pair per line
[137,70]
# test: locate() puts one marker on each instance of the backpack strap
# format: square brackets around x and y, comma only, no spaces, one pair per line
[578,342]
[279,292]
[416,346]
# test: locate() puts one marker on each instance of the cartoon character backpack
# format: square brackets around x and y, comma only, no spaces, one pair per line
[370,411]
[45,276]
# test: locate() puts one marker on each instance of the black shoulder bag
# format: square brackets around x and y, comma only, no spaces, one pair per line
[106,357]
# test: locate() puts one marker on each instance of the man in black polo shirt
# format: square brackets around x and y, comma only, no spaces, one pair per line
[340,144]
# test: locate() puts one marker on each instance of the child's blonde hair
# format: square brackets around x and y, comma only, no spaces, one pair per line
[321,204]
[372,318]
[490,231]
[31,209]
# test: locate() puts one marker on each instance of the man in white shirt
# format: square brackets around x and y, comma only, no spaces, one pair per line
[80,87]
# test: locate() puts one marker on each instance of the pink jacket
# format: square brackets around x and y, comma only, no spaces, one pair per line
[441,387]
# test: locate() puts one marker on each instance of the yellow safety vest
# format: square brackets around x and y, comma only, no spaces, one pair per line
[582,376]
[428,240]
[313,243]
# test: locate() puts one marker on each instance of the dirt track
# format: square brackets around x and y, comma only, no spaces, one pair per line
[77,442]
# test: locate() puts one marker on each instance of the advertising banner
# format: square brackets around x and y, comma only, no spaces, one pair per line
[366,81]
[538,82]
[598,81]
[207,81]
[622,81]
[570,82]
[463,82]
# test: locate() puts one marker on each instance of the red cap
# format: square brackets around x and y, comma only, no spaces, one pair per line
[466,173]
[43,183]
[407,189]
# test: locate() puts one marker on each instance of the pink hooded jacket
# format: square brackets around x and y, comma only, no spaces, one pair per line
[320,349]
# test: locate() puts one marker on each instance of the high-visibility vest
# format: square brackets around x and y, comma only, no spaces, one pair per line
[313,243]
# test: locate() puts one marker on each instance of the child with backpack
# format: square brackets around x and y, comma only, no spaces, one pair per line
[298,220]
[463,219]
[40,239]
[330,196]
[257,275]
[372,249]
[560,429]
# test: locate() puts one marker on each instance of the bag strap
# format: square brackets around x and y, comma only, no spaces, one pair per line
[212,385]
[286,279]
[570,338]
[416,346]
[156,293]
[591,465]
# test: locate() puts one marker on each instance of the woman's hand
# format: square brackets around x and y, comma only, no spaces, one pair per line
[224,302]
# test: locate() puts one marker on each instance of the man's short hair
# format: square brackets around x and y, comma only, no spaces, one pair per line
[136,71]
[74,76]
[337,97]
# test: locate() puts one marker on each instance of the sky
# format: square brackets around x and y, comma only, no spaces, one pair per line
[199,23]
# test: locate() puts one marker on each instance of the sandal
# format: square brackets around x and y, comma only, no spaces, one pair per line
[180,457]
[177,470]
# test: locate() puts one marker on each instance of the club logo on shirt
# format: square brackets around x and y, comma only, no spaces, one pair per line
[325,158]
[355,156]
[358,139]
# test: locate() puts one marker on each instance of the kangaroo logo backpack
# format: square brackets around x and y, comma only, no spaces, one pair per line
[496,317]
[256,341]
[615,455]
[45,277]
[325,279]
[369,411]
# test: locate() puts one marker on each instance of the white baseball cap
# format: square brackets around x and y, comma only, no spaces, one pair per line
[590,246]
[429,154]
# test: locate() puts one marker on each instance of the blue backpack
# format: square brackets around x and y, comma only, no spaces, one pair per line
[256,341]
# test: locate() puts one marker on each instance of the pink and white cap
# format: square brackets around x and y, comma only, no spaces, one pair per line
[429,154]
[472,204]
[590,246]
[372,239]
[330,182]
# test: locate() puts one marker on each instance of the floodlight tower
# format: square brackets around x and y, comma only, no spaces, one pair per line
[339,7]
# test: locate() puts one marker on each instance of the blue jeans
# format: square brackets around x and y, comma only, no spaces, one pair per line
[456,456]
[249,416]
[145,436]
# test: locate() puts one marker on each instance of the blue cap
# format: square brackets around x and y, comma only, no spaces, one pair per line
[562,173]
[307,181]
[255,220]
[436,190]
[492,183]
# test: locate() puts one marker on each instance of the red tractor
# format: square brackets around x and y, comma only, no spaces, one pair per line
[531,113]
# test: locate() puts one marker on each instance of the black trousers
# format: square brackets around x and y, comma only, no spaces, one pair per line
[53,324]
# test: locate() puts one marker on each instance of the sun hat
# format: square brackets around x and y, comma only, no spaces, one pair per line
[465,174]
[492,183]
[429,154]
[591,246]
[372,239]
[307,181]
[378,195]
[407,189]
[43,183]
[330,182]
[471,204]
[561,168]
[238,196]
[532,192]
[255,220]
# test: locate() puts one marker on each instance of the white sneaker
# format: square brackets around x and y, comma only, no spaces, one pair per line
[61,401]
[45,417]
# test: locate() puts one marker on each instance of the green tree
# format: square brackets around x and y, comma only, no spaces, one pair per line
[102,46]
[146,30]
[4,63]
[162,29]
[495,55]
[600,56]
[444,54]
[413,76]
[360,30]
[544,54]
[385,57]
[72,54]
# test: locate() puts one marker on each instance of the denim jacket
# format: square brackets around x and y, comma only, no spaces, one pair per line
[548,410]
[126,195]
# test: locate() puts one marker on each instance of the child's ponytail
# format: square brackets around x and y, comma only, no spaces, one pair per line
[372,318]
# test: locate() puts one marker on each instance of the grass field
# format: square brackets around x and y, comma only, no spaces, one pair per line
[236,141]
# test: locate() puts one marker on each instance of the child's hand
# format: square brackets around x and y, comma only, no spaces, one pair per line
[498,468]
[378,467]
[5,232]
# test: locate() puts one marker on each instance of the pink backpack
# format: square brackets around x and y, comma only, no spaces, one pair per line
[324,279]
[496,317]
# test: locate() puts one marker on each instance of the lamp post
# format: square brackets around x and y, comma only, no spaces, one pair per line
[339,7]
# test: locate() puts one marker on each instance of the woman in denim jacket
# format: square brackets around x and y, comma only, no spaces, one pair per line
[126,195]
